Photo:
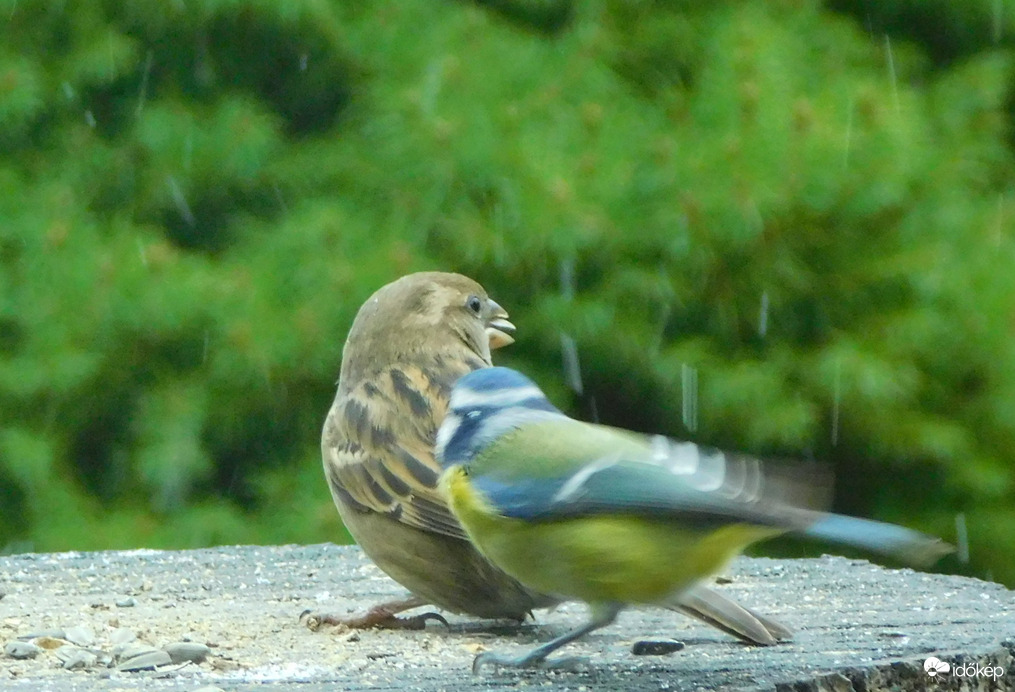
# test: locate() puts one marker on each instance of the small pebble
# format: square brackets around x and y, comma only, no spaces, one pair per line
[18,649]
[40,634]
[128,602]
[74,657]
[133,650]
[82,635]
[81,660]
[659,647]
[50,643]
[187,651]
[121,636]
[145,661]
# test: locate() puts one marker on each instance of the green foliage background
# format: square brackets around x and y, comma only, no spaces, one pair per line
[807,206]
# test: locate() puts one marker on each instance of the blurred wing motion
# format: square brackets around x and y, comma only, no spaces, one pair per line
[653,476]
[614,518]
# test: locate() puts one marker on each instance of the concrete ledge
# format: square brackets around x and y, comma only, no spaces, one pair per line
[858,627]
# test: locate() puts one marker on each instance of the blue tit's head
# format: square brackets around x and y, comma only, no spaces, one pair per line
[485,404]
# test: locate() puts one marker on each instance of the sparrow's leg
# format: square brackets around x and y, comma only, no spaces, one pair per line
[381,616]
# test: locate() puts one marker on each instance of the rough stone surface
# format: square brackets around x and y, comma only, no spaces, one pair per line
[858,627]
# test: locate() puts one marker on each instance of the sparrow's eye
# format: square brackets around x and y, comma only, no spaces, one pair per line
[474,304]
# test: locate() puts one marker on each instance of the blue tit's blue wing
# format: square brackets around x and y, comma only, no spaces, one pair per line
[555,470]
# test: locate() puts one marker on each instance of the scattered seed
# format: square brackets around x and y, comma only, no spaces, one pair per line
[194,652]
[19,649]
[656,647]
[146,661]
[82,635]
[122,636]
[133,650]
[74,657]
[377,655]
[41,634]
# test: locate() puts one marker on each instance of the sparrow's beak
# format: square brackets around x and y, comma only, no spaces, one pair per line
[498,329]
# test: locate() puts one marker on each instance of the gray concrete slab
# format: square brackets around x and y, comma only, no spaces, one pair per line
[858,627]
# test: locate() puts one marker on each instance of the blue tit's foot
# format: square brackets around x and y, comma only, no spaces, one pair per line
[382,616]
[529,662]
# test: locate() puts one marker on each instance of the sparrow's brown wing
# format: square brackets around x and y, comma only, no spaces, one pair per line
[378,446]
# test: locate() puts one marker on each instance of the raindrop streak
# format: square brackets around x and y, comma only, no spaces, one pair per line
[572,367]
[303,62]
[891,73]
[997,23]
[961,538]
[188,150]
[433,81]
[836,397]
[664,319]
[143,91]
[998,236]
[141,251]
[280,199]
[689,396]
[90,119]
[112,57]
[763,316]
[849,134]
[180,200]
[567,278]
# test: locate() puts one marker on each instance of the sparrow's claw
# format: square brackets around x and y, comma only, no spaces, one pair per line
[383,616]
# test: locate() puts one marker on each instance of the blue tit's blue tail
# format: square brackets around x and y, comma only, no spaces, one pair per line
[888,539]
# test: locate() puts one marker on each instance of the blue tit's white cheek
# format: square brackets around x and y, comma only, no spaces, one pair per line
[464,397]
[444,434]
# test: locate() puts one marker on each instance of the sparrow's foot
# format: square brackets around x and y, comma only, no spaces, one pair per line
[382,616]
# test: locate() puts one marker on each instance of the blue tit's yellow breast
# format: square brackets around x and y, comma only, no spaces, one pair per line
[627,559]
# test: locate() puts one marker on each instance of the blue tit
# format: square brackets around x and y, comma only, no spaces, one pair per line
[409,342]
[610,517]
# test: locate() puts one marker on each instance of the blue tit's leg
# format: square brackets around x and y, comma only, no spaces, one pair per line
[602,614]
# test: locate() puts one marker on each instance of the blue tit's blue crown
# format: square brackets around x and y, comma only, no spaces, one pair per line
[485,404]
